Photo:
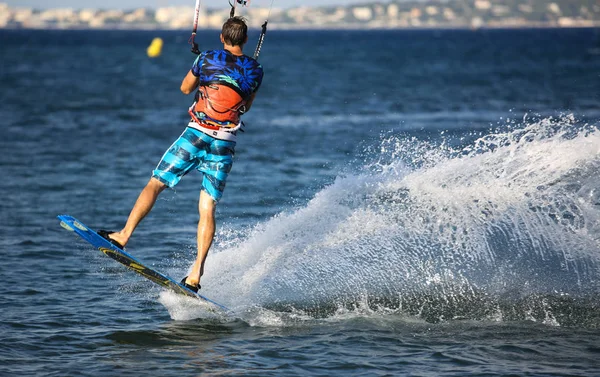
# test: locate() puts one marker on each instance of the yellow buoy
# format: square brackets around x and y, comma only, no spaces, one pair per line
[155,48]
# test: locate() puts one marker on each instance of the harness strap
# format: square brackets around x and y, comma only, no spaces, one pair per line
[217,134]
[211,124]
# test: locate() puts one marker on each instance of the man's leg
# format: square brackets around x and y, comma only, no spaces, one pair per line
[142,207]
[206,233]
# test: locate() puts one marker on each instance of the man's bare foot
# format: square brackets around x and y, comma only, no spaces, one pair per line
[189,284]
[116,238]
[194,272]
[190,281]
[119,237]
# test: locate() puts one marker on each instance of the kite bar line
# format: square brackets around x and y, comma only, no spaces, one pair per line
[192,40]
[263,32]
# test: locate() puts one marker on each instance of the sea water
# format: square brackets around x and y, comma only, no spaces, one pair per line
[421,203]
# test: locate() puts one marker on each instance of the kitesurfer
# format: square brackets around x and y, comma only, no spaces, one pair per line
[226,82]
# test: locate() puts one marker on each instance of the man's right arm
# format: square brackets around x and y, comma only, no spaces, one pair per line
[190,83]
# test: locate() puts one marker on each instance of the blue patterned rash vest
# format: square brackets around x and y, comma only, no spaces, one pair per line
[226,82]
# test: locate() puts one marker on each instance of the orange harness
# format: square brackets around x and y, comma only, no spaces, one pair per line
[220,104]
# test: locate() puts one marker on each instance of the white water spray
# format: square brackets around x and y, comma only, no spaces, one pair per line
[513,214]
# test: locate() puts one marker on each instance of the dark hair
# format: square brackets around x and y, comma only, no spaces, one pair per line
[235,31]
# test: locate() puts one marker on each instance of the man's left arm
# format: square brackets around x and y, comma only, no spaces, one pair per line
[248,103]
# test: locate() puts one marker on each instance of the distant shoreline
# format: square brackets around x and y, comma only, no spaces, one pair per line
[389,15]
[321,28]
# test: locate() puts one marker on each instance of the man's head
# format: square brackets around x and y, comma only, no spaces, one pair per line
[235,32]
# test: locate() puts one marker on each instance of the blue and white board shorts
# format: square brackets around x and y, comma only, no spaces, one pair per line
[195,149]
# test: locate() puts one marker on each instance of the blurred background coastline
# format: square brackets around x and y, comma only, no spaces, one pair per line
[428,14]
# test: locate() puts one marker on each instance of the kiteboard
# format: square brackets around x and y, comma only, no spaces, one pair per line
[72,224]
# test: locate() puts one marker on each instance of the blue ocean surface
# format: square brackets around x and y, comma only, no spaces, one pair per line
[402,203]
